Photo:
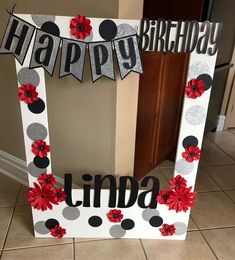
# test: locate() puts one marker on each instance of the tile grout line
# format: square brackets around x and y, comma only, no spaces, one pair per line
[205,239]
[9,225]
[145,254]
[74,249]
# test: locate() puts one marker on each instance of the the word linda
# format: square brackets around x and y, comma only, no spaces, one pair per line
[122,201]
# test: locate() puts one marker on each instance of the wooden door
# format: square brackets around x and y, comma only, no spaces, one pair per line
[161,90]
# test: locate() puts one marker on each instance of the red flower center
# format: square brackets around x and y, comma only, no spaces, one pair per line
[80,27]
[167,230]
[41,147]
[115,215]
[164,197]
[42,196]
[58,231]
[194,88]
[192,154]
[28,93]
[58,194]
[47,180]
[178,183]
[179,199]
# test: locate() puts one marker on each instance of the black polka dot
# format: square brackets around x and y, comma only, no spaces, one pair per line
[190,141]
[51,27]
[156,221]
[206,79]
[95,221]
[51,223]
[108,30]
[87,177]
[37,107]
[41,162]
[127,224]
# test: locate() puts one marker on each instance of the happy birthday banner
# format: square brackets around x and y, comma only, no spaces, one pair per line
[153,36]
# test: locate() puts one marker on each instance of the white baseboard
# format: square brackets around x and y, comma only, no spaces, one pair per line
[16,169]
[221,122]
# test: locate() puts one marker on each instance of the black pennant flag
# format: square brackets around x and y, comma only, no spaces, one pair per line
[72,58]
[128,55]
[101,58]
[17,38]
[45,50]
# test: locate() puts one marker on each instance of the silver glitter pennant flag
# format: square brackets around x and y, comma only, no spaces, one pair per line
[101,58]
[128,55]
[45,50]
[17,38]
[72,58]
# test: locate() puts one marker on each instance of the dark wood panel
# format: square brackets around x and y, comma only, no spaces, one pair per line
[148,114]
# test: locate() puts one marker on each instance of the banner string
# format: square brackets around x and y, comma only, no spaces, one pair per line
[11,11]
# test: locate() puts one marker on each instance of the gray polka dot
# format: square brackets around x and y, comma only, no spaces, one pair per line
[41,228]
[183,167]
[39,20]
[180,228]
[36,131]
[197,68]
[117,231]
[26,76]
[34,170]
[196,115]
[71,213]
[124,30]
[148,213]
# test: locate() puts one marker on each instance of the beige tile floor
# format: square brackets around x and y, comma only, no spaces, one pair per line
[211,228]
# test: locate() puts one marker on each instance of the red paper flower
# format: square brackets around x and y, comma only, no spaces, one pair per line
[60,195]
[40,148]
[181,199]
[58,231]
[41,198]
[47,180]
[163,196]
[115,215]
[178,181]
[28,93]
[192,153]
[195,88]
[80,27]
[167,230]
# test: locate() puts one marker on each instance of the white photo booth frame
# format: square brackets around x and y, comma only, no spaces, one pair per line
[75,219]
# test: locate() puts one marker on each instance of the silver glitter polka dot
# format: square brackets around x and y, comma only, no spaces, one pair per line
[148,213]
[117,231]
[39,20]
[36,131]
[34,170]
[183,167]
[40,228]
[195,115]
[71,213]
[197,68]
[180,228]
[26,76]
[124,30]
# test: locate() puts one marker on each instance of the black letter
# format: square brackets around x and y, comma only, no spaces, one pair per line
[159,36]
[154,190]
[68,191]
[215,34]
[47,56]
[144,34]
[21,37]
[131,56]
[112,190]
[203,40]
[76,55]
[104,57]
[122,192]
